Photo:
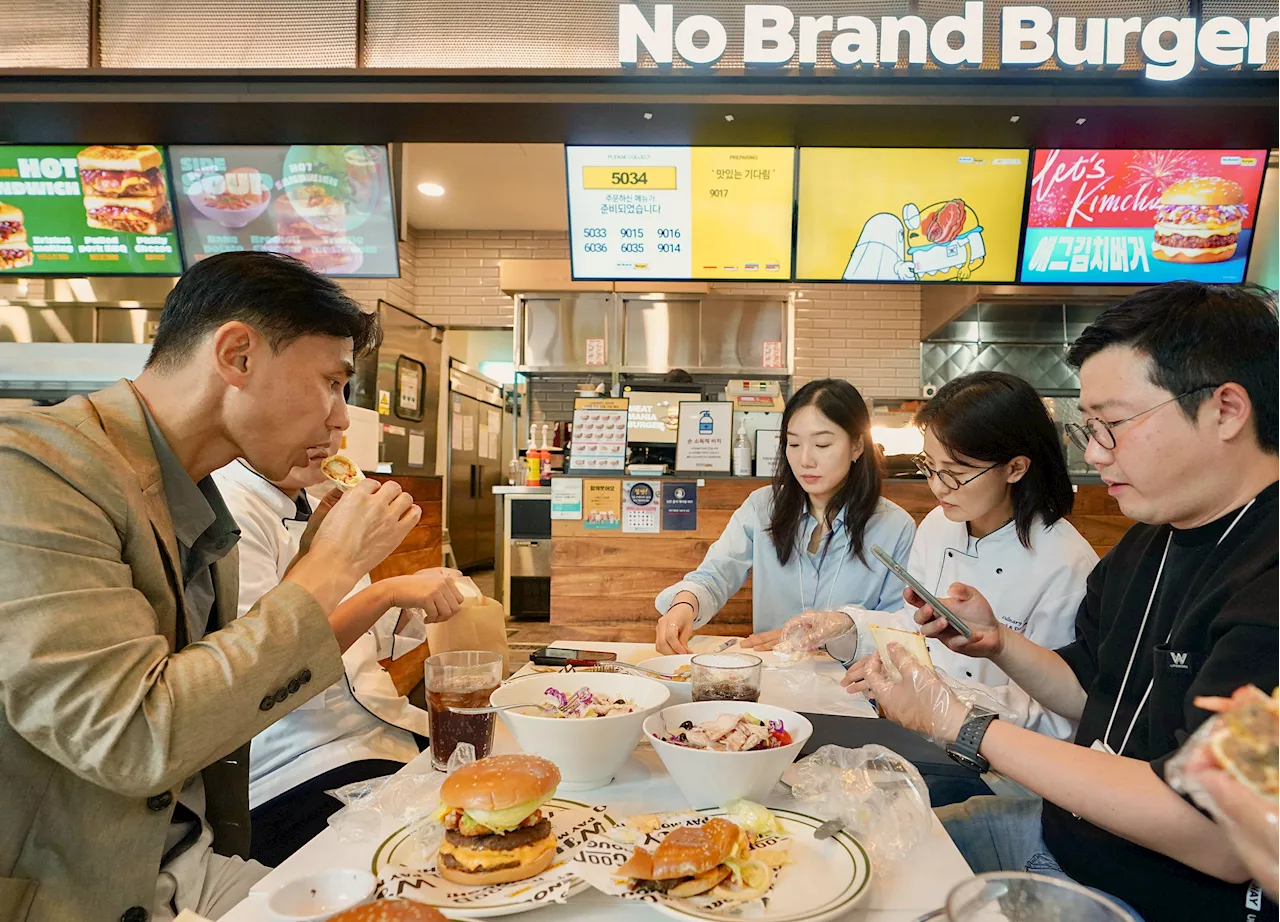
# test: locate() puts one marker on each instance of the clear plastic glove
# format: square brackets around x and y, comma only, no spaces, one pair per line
[808,632]
[920,700]
[877,794]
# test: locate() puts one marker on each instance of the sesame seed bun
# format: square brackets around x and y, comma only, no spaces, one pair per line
[390,911]
[689,851]
[1203,190]
[500,782]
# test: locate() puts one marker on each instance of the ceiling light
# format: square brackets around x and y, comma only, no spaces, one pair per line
[1014,118]
[728,118]
[431,189]
[1080,121]
[648,115]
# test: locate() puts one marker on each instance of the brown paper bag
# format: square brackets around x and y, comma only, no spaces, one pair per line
[479,625]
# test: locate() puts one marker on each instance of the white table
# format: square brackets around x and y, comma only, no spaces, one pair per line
[916,885]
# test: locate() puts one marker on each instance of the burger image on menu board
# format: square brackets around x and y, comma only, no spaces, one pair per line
[495,832]
[14,251]
[124,189]
[1198,220]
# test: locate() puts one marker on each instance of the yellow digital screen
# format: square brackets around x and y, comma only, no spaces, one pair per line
[676,213]
[910,214]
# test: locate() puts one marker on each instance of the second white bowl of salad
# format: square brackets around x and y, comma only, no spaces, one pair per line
[588,723]
[718,751]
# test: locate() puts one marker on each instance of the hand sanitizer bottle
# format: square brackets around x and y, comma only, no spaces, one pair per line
[741,452]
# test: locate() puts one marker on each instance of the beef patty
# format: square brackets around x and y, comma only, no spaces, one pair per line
[500,843]
[1196,243]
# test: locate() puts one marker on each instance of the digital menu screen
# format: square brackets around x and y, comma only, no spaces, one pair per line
[1137,217]
[327,205]
[909,215]
[73,209]
[681,212]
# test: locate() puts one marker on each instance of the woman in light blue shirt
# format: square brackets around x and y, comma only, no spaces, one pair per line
[807,536]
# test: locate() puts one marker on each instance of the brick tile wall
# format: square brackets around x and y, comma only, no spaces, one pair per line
[866,333]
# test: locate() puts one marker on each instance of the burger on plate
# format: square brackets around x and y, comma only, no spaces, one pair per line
[691,860]
[1199,220]
[495,831]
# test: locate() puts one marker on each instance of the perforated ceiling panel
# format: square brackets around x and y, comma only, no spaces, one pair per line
[197,34]
[44,33]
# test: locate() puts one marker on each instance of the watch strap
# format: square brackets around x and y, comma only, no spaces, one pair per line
[969,740]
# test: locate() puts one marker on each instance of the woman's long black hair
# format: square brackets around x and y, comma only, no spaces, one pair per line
[840,402]
[995,417]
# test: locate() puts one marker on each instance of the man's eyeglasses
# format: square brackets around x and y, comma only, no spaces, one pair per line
[946,478]
[1100,430]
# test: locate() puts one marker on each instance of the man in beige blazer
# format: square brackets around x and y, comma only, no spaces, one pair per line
[129,690]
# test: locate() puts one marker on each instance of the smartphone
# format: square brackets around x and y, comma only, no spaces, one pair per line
[902,573]
[566,656]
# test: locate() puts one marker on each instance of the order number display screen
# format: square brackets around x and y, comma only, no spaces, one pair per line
[681,212]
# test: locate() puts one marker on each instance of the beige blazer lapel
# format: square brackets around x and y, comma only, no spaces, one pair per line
[119,407]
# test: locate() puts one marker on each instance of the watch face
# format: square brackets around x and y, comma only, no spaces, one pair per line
[962,759]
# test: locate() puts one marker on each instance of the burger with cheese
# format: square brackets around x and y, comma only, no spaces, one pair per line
[1199,220]
[495,831]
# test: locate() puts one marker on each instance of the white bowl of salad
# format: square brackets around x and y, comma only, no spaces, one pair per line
[588,724]
[718,751]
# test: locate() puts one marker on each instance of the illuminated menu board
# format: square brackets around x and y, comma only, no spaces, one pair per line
[76,210]
[909,215]
[327,205]
[681,212]
[1137,217]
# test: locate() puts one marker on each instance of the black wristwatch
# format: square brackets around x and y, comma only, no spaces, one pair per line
[964,750]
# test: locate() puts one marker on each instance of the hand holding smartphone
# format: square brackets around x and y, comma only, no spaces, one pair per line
[903,574]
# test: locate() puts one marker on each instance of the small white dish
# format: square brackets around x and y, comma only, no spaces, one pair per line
[681,692]
[318,896]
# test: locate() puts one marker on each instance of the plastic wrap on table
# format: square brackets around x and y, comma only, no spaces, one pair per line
[372,807]
[877,794]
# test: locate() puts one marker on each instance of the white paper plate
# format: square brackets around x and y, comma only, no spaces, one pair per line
[823,881]
[404,871]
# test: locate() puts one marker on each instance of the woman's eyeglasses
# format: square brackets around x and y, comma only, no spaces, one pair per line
[946,478]
[1100,430]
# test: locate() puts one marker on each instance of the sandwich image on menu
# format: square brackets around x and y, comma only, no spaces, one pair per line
[1199,220]
[124,189]
[14,251]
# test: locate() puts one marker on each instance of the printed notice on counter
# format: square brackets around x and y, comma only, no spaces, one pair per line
[640,502]
[602,503]
[772,353]
[75,210]
[679,505]
[599,434]
[468,433]
[566,499]
[704,441]
[596,352]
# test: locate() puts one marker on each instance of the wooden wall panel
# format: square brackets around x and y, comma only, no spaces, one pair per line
[422,547]
[603,583]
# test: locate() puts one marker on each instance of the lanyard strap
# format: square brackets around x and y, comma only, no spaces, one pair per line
[1142,629]
[817,585]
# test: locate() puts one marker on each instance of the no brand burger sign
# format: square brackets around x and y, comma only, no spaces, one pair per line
[1171,47]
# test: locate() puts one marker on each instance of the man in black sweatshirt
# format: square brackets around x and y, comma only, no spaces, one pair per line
[1178,390]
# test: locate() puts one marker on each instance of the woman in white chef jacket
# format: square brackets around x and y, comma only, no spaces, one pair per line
[358,728]
[994,461]
[807,536]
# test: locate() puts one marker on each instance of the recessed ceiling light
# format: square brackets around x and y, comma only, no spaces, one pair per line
[648,115]
[728,118]
[431,189]
[1014,118]
[1080,121]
